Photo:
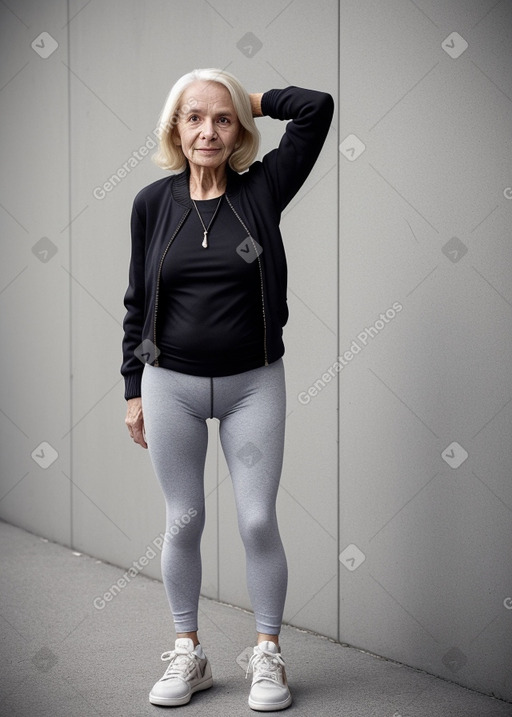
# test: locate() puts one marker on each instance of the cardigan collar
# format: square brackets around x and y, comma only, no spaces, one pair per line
[180,186]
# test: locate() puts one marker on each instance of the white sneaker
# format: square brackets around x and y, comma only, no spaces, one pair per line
[188,672]
[269,690]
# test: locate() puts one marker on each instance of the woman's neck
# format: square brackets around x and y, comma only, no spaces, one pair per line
[205,183]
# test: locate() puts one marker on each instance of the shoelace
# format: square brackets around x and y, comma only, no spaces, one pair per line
[267,665]
[182,663]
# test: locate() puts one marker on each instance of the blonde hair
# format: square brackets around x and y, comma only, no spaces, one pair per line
[170,155]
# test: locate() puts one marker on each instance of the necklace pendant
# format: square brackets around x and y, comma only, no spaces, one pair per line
[204,243]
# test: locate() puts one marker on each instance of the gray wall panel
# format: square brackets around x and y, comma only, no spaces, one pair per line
[34,290]
[425,514]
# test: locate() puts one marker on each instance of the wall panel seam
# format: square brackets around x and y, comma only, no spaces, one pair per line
[338,323]
[70,290]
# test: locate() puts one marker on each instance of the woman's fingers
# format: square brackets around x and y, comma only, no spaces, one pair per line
[135,421]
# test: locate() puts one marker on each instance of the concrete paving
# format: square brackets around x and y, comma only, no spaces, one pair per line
[67,654]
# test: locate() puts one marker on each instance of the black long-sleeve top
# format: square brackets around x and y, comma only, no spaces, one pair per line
[211,306]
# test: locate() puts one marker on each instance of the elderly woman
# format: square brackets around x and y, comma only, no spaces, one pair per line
[206,306]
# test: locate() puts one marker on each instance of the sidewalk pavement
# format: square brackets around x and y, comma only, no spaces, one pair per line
[62,656]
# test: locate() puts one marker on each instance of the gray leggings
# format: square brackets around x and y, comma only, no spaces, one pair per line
[251,409]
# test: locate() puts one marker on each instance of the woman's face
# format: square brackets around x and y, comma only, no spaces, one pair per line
[209,130]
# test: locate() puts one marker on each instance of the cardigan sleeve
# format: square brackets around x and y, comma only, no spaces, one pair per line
[134,301]
[310,112]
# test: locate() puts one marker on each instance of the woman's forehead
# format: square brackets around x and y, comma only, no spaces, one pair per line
[207,93]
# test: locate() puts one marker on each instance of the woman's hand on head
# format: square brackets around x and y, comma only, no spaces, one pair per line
[255,98]
[135,421]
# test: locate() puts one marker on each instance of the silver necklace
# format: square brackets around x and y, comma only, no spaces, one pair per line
[207,229]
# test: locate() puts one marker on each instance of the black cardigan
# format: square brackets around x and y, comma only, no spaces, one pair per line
[258,196]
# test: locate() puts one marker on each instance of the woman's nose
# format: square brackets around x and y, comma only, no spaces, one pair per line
[208,129]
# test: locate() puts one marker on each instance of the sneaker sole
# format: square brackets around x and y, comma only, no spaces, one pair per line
[264,707]
[178,701]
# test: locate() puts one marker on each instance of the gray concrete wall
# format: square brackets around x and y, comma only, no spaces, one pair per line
[396,498]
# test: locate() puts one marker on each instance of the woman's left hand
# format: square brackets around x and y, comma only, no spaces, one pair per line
[135,421]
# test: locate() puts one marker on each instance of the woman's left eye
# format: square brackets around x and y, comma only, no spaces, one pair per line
[223,120]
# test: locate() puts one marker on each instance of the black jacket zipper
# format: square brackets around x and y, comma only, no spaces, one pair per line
[157,289]
[261,280]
